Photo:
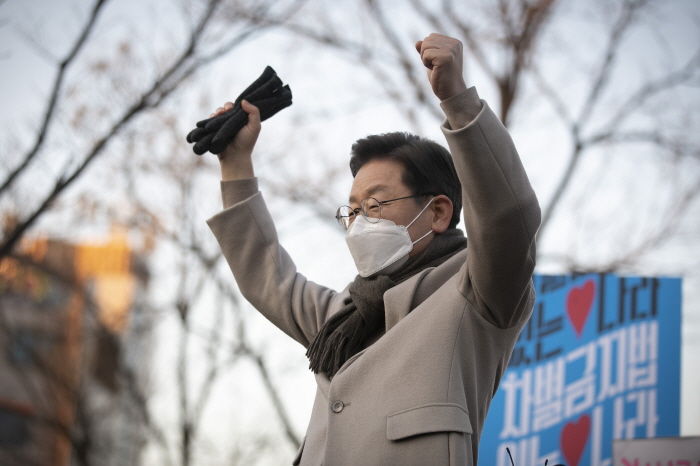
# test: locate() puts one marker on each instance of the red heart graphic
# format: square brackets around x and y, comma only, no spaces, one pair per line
[578,305]
[574,436]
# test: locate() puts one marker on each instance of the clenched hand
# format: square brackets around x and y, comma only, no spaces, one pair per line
[442,55]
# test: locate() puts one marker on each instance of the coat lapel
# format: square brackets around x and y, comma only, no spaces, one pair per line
[399,300]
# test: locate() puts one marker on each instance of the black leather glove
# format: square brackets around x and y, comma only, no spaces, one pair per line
[215,133]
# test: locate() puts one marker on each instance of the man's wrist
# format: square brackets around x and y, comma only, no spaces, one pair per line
[235,191]
[236,168]
[453,90]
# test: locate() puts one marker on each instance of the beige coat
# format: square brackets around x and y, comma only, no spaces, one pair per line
[419,394]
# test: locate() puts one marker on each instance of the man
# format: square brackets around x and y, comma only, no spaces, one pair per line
[409,355]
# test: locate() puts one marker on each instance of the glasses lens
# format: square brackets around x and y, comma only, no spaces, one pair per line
[344,215]
[372,210]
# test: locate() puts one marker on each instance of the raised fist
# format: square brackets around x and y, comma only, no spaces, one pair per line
[442,55]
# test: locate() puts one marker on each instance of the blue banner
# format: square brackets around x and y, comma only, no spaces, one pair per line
[598,360]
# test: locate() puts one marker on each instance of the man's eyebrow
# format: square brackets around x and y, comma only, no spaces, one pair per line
[372,190]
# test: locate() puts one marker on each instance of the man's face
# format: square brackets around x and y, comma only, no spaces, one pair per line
[381,179]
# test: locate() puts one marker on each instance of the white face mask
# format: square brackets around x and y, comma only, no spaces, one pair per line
[381,246]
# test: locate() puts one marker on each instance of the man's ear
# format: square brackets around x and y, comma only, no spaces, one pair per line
[442,209]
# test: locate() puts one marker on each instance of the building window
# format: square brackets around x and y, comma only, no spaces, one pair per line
[14,428]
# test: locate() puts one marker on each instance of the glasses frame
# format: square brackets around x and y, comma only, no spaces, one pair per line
[345,220]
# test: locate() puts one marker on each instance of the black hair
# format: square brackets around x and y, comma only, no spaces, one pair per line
[428,166]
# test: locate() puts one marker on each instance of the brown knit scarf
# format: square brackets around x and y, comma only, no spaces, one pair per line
[351,329]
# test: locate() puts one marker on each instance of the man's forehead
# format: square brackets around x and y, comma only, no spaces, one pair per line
[378,176]
[368,191]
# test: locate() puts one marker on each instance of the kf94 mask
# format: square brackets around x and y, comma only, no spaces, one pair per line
[382,246]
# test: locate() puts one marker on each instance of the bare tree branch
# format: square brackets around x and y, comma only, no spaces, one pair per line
[213,344]
[130,382]
[274,396]
[650,89]
[633,254]
[653,137]
[601,79]
[469,36]
[521,43]
[562,185]
[557,102]
[364,54]
[599,82]
[406,63]
[322,38]
[148,99]
[58,82]
[673,218]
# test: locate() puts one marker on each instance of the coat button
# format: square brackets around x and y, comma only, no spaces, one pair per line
[337,406]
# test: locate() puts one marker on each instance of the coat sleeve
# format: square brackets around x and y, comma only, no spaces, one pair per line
[501,211]
[264,272]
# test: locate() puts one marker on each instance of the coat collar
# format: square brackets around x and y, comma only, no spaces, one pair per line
[401,299]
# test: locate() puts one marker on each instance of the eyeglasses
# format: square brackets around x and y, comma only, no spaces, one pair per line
[370,208]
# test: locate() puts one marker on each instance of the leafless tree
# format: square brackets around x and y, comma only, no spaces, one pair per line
[196,268]
[216,32]
[192,57]
[513,44]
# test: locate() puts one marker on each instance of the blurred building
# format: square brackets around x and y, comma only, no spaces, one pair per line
[68,328]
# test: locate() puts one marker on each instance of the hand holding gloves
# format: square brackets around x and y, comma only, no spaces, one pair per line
[266,93]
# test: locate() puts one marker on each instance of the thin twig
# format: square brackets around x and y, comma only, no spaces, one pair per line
[622,24]
[406,64]
[146,101]
[53,98]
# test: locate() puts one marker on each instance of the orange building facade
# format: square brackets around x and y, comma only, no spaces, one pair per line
[64,311]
